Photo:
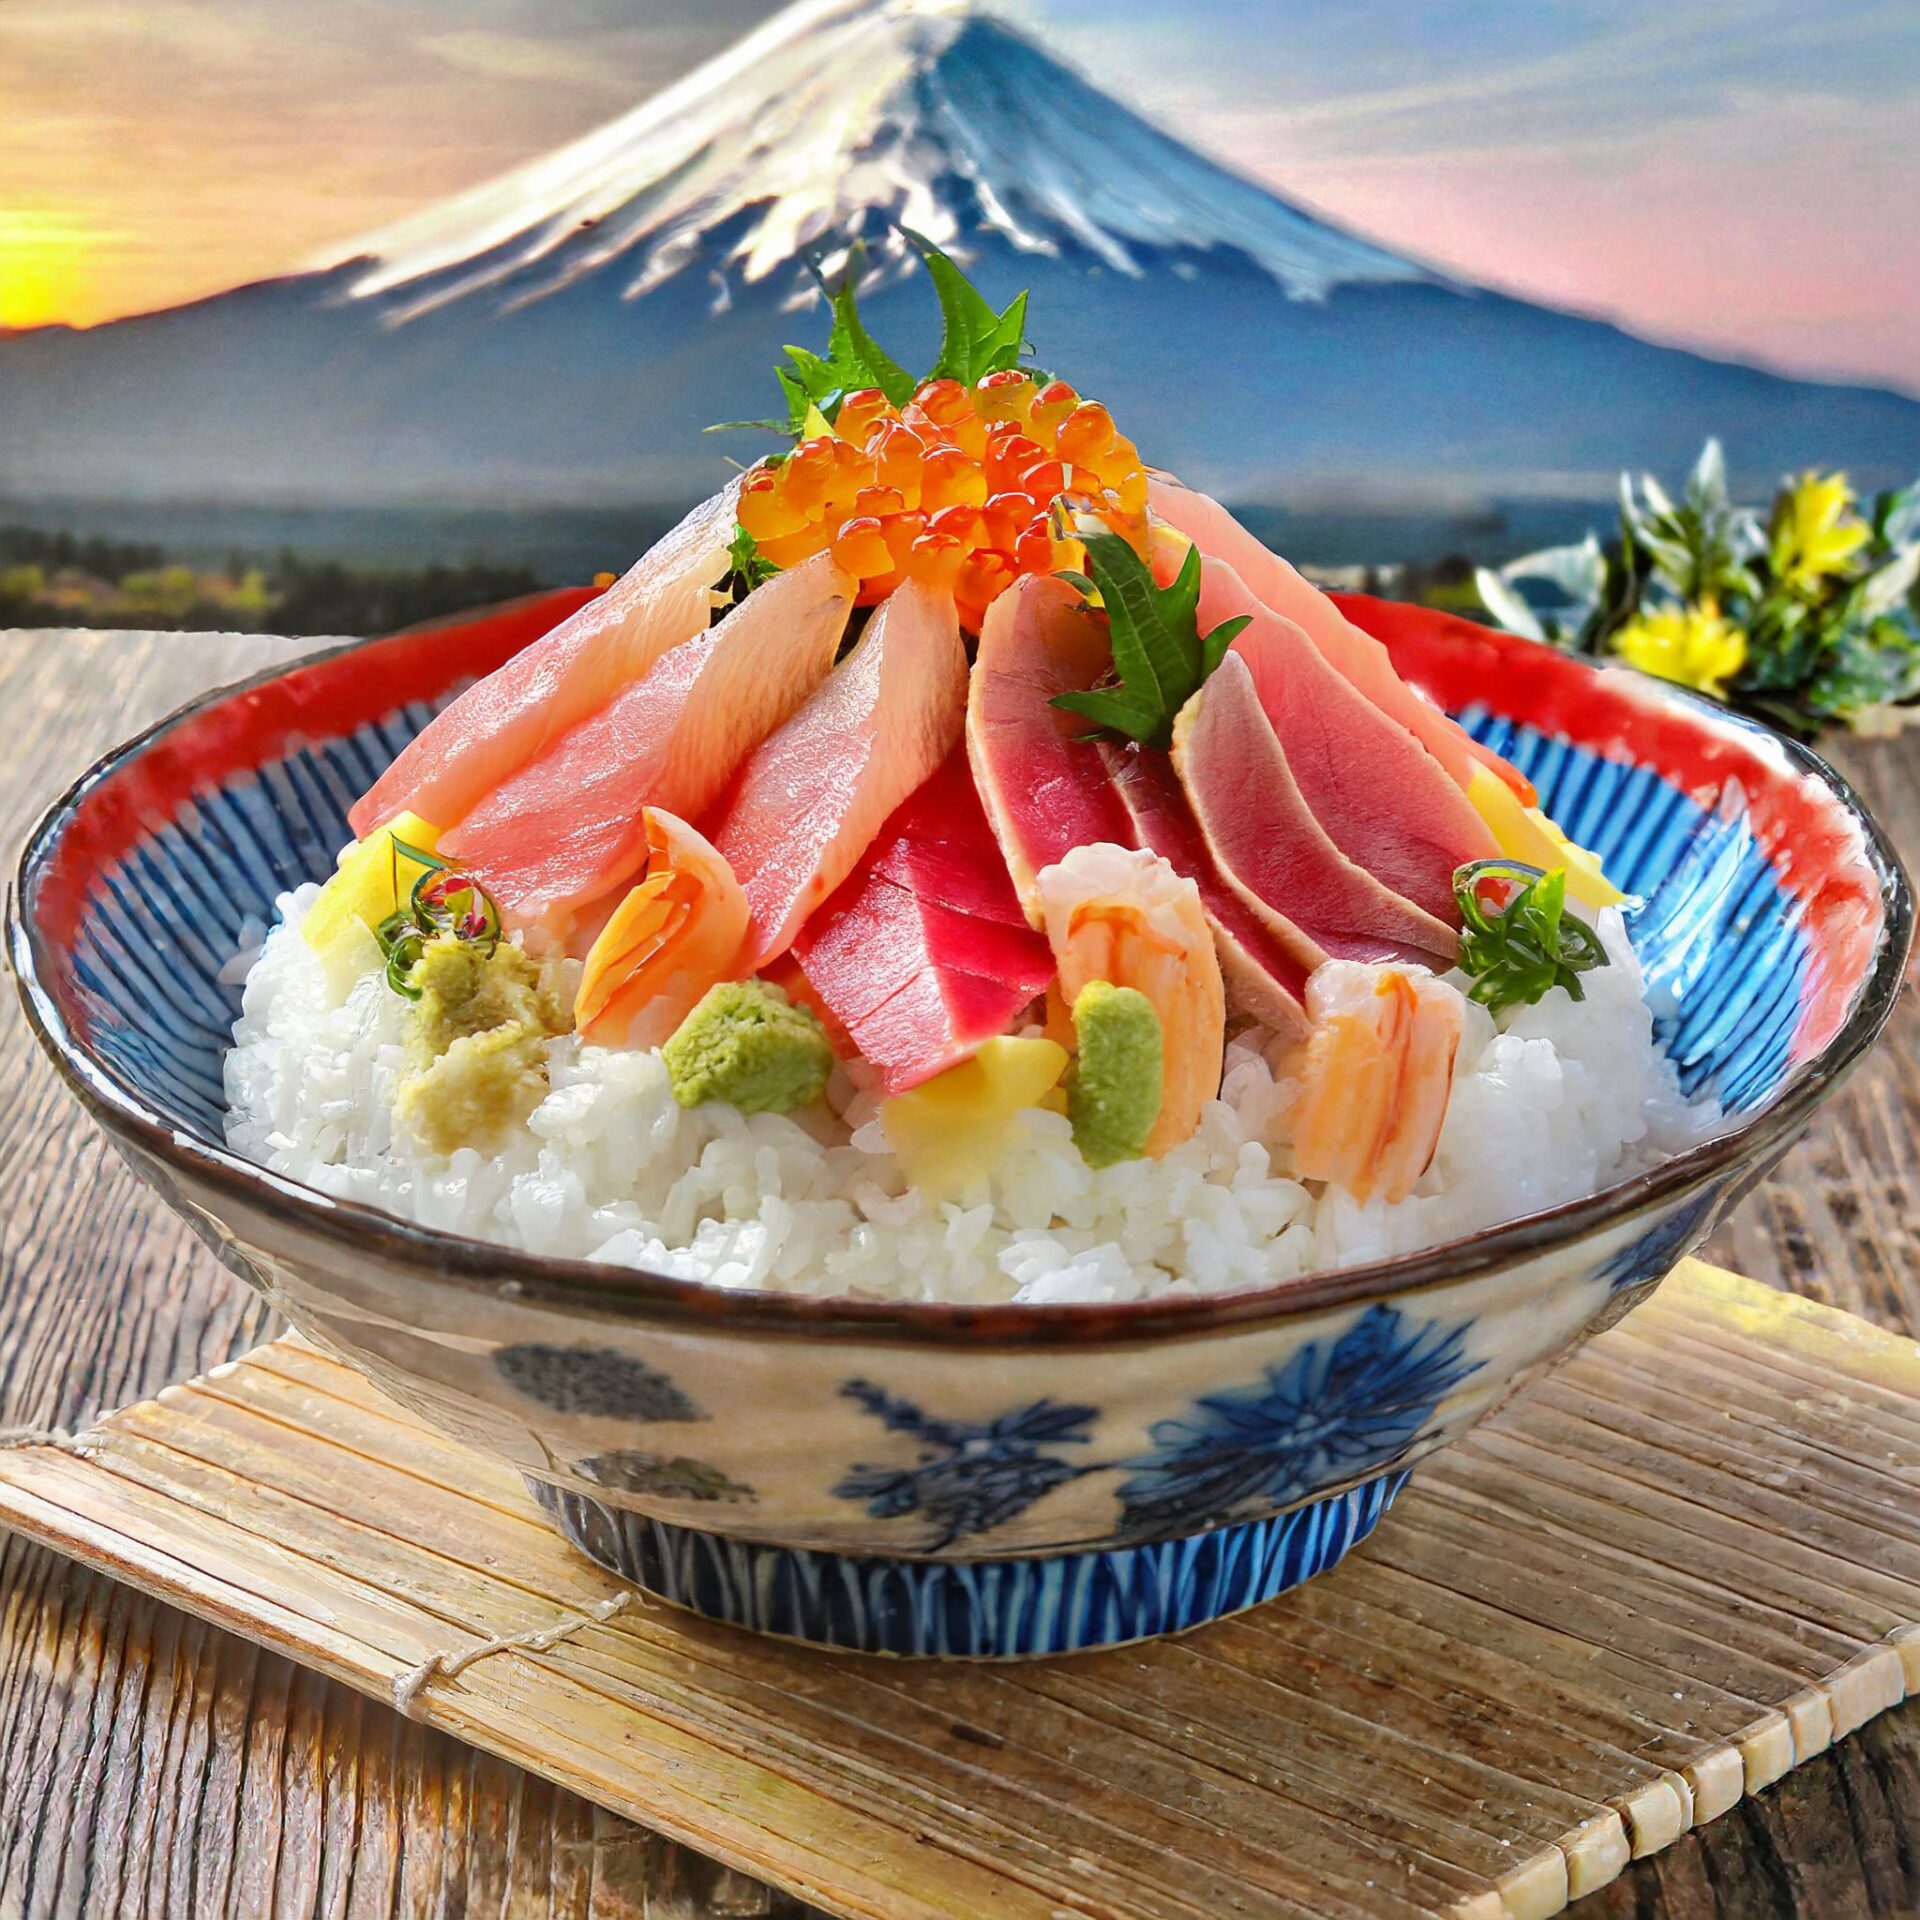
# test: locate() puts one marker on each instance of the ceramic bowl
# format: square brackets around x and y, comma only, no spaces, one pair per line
[923,1479]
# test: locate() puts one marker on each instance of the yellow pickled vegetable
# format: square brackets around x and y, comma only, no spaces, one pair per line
[373,879]
[1526,834]
[954,1128]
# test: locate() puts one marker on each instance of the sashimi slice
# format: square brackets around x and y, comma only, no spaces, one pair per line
[1265,958]
[923,952]
[512,716]
[1356,655]
[1269,845]
[813,794]
[1384,800]
[1044,788]
[567,828]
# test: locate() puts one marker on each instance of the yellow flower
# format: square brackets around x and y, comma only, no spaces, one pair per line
[1815,530]
[1697,646]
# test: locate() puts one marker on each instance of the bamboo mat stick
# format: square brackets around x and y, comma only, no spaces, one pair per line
[1686,1561]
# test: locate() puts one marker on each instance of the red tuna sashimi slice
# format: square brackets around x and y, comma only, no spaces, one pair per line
[1044,787]
[924,952]
[1383,799]
[813,794]
[1269,845]
[512,716]
[1357,656]
[1264,957]
[567,828]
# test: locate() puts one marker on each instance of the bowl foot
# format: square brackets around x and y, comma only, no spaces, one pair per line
[979,1609]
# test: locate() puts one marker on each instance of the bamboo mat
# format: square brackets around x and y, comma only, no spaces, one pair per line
[1686,1562]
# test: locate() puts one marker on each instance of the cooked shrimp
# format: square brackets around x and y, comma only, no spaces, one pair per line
[677,933]
[1376,1076]
[1126,917]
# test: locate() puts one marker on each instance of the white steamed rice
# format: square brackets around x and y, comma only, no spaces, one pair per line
[1570,1096]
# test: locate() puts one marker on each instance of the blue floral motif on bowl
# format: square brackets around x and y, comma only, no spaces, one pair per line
[1334,1412]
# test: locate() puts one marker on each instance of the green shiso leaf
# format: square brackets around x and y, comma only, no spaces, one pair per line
[851,346]
[1109,709]
[975,340]
[1519,952]
[747,566]
[1160,657]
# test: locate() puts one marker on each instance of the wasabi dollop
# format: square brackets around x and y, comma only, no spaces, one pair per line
[746,1043]
[1114,1088]
[478,1035]
[466,989]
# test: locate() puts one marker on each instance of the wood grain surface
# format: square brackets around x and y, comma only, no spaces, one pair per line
[152,1766]
[1686,1562]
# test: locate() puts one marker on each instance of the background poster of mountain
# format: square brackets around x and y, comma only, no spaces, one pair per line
[318,317]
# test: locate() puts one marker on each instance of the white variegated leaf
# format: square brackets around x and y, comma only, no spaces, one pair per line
[1884,589]
[1579,572]
[1506,605]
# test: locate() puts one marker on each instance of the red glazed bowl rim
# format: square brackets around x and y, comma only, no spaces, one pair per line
[600,1289]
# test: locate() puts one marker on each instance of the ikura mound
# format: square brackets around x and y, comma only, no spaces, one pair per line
[955,865]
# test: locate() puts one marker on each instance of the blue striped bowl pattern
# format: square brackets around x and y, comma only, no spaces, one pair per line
[929,1553]
[974,1609]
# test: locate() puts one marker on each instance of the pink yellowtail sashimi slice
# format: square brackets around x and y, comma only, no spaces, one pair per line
[512,716]
[1044,787]
[1355,654]
[566,829]
[1267,841]
[675,935]
[812,796]
[1265,959]
[923,954]
[1384,800]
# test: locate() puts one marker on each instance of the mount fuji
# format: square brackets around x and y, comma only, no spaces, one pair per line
[562,335]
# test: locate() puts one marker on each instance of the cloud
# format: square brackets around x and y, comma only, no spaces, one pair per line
[1734,173]
[207,31]
[511,56]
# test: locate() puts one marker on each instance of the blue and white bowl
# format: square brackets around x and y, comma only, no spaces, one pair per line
[953,1480]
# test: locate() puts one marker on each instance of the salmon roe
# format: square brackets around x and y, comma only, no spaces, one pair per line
[957,488]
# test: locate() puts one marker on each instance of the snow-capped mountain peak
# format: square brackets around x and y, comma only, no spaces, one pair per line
[843,117]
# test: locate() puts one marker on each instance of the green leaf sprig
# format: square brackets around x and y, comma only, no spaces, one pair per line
[747,567]
[1519,952]
[1160,656]
[442,900]
[976,339]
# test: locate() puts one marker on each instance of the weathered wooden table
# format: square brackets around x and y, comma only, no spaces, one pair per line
[152,1765]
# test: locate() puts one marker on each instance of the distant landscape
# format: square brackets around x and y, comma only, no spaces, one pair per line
[361,571]
[64,579]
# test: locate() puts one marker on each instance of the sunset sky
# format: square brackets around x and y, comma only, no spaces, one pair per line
[1744,176]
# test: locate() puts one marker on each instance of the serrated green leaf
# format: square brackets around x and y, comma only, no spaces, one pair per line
[798,398]
[1180,601]
[1214,645]
[1146,654]
[975,340]
[1005,345]
[1109,709]
[851,346]
[1159,656]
